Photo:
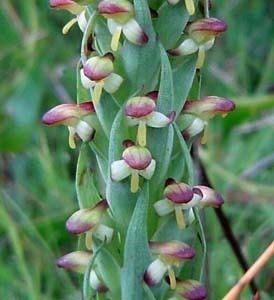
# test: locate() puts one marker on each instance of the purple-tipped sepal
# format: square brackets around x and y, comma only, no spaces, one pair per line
[210,197]
[96,283]
[190,290]
[76,261]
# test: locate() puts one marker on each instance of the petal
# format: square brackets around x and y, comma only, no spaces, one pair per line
[104,233]
[187,47]
[95,283]
[155,272]
[84,131]
[82,21]
[119,170]
[149,171]
[132,121]
[208,45]
[112,26]
[210,197]
[194,201]
[134,33]
[112,83]
[157,120]
[163,207]
[86,82]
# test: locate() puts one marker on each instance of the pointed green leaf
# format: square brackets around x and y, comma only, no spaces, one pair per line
[136,255]
[170,23]
[86,190]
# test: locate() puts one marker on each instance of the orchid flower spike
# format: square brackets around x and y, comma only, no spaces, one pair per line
[167,255]
[76,261]
[74,8]
[120,16]
[189,4]
[200,111]
[97,74]
[189,290]
[201,37]
[136,161]
[96,282]
[72,116]
[88,220]
[178,196]
[140,111]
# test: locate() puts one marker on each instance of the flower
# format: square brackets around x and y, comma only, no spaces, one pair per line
[189,290]
[190,7]
[73,116]
[200,111]
[202,34]
[178,196]
[137,161]
[97,73]
[168,254]
[73,7]
[88,220]
[76,261]
[140,111]
[120,15]
[210,197]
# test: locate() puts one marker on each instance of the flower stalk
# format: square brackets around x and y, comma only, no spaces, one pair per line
[129,202]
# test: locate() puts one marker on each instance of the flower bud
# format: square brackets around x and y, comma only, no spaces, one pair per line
[208,107]
[97,68]
[87,218]
[210,197]
[119,10]
[76,261]
[178,193]
[190,290]
[67,114]
[69,5]
[203,30]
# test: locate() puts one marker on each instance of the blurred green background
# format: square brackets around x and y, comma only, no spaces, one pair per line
[37,168]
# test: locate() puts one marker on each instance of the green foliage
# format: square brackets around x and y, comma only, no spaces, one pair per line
[37,189]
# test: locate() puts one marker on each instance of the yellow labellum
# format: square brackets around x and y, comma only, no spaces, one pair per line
[190,7]
[88,240]
[205,135]
[115,38]
[172,278]
[97,92]
[179,217]
[201,57]
[142,133]
[134,182]
[71,138]
[68,26]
